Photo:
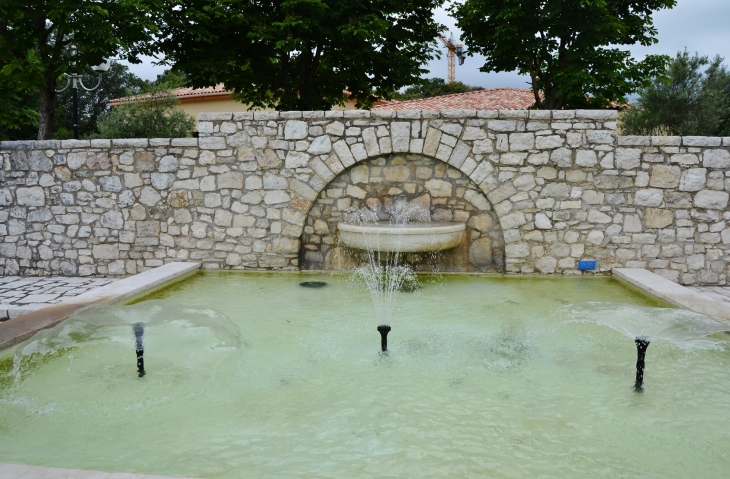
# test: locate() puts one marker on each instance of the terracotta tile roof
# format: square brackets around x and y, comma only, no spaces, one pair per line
[181,93]
[495,99]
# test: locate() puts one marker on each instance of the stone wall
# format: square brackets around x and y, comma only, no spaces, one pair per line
[560,184]
[431,186]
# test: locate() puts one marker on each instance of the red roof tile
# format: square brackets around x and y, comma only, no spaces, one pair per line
[495,99]
[181,93]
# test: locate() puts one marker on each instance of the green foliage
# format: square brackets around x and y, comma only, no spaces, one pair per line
[569,48]
[168,79]
[301,54]
[434,87]
[693,100]
[114,84]
[151,115]
[19,115]
[36,37]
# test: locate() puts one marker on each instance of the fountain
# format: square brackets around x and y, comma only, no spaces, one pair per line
[684,329]
[386,274]
[641,344]
[138,330]
[408,230]
[477,383]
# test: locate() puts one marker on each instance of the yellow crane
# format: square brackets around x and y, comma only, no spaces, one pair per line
[454,50]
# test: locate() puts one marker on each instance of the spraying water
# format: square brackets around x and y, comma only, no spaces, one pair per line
[684,329]
[138,330]
[386,273]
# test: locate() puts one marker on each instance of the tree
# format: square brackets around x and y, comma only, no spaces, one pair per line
[693,100]
[149,115]
[301,54]
[18,115]
[40,40]
[434,87]
[569,48]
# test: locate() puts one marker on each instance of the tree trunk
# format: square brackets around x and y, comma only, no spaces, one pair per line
[47,111]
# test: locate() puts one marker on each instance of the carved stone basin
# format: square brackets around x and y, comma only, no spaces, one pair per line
[404,238]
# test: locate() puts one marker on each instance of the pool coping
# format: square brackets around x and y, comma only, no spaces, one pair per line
[21,471]
[672,293]
[24,326]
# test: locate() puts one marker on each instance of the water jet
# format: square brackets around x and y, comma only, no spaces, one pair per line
[138,330]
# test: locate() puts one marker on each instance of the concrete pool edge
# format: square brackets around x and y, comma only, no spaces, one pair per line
[671,292]
[23,327]
[21,471]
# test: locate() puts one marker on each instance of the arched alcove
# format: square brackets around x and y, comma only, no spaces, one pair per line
[445,191]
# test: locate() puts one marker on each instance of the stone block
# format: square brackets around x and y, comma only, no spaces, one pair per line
[343,153]
[556,190]
[664,176]
[521,141]
[105,251]
[548,142]
[701,141]
[562,157]
[685,159]
[34,196]
[275,197]
[586,158]
[149,196]
[502,125]
[711,200]
[716,159]
[230,180]
[649,197]
[438,188]
[480,252]
[112,219]
[693,179]
[295,130]
[658,218]
[400,136]
[212,143]
[632,224]
[320,145]
[297,159]
[634,141]
[603,137]
[627,158]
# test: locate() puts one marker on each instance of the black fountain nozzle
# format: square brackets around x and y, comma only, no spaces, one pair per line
[384,329]
[138,329]
[641,344]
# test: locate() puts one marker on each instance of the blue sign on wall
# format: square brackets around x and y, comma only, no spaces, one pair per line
[587,265]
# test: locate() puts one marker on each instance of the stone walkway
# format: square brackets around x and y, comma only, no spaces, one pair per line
[20,295]
[718,293]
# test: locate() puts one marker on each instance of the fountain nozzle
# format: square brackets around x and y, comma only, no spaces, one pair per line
[641,344]
[138,330]
[384,329]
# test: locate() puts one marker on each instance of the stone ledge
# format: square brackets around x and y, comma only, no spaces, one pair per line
[673,293]
[26,325]
[21,471]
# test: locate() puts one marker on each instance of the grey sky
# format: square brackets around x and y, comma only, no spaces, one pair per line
[700,25]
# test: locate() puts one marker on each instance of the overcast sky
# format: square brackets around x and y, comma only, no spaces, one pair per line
[699,25]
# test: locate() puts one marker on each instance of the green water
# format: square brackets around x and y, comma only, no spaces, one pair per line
[483,380]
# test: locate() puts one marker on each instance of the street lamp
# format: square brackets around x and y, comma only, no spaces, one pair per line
[74,81]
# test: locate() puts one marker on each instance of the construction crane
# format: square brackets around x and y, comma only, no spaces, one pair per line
[454,50]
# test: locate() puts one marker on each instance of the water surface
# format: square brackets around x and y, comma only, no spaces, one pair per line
[483,379]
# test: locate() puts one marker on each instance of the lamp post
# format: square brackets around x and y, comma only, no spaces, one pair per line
[74,81]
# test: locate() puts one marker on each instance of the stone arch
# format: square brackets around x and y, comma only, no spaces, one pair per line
[448,191]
